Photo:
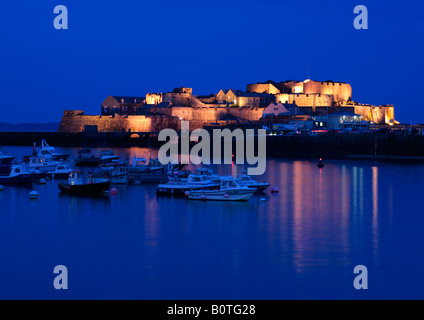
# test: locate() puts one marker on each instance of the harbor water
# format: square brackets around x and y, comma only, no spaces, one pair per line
[301,243]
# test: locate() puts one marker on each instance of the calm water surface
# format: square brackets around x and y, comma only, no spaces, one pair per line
[302,243]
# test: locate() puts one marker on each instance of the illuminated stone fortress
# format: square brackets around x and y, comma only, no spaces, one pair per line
[157,111]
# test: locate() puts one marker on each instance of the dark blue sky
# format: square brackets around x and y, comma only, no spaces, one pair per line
[133,47]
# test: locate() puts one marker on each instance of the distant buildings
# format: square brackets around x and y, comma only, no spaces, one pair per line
[268,99]
[123,105]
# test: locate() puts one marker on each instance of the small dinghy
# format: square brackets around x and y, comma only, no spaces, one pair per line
[89,185]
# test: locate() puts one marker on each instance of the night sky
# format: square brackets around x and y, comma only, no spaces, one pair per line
[134,47]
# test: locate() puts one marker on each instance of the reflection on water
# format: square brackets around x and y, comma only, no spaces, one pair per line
[303,242]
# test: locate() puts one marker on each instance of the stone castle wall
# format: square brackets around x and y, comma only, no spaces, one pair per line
[74,123]
[376,114]
[340,91]
[214,114]
[263,88]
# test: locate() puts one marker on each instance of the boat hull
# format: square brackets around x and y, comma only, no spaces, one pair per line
[180,190]
[91,188]
[20,179]
[43,169]
[121,179]
[222,195]
[260,186]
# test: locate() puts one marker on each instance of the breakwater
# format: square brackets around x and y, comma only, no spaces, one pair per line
[337,146]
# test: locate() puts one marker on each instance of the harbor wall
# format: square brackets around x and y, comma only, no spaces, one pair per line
[338,146]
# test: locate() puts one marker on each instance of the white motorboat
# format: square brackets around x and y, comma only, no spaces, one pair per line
[14,174]
[230,190]
[250,182]
[46,150]
[179,187]
[42,164]
[107,155]
[62,171]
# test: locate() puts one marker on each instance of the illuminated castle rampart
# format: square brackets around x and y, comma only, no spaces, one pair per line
[157,111]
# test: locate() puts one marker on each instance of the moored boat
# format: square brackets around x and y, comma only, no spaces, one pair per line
[62,171]
[140,171]
[48,150]
[209,173]
[107,156]
[252,183]
[230,190]
[179,187]
[86,159]
[77,184]
[42,164]
[14,174]
[117,172]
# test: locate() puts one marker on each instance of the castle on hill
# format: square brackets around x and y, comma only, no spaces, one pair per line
[279,101]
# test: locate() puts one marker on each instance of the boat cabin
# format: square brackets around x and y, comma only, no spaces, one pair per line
[40,161]
[246,179]
[75,178]
[135,162]
[231,183]
[195,179]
